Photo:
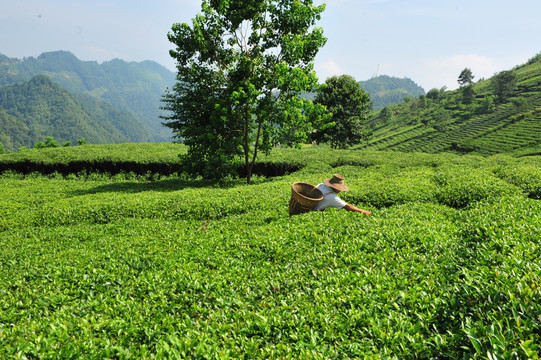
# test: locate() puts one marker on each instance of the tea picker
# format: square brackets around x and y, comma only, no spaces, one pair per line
[306,197]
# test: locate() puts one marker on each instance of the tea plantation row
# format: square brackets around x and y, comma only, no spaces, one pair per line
[447,267]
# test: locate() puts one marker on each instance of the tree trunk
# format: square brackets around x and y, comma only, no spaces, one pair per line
[247,166]
[248,175]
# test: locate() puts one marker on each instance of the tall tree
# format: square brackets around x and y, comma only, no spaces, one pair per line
[349,105]
[468,94]
[465,77]
[241,66]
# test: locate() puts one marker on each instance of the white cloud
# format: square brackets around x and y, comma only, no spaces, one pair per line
[100,54]
[447,69]
[327,69]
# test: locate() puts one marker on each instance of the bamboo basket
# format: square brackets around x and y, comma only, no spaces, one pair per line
[304,197]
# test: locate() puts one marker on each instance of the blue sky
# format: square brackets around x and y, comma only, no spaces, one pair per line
[428,41]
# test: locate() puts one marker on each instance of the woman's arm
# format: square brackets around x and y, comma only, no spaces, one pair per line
[350,207]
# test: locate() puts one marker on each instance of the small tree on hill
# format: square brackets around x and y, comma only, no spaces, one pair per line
[465,77]
[504,84]
[241,66]
[349,105]
[48,143]
[433,94]
[465,80]
[468,94]
[386,115]
[1,148]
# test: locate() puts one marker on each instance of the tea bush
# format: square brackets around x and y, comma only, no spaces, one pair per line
[459,187]
[130,266]
[525,176]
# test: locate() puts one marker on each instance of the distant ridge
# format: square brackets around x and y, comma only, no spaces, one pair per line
[32,110]
[128,86]
[387,90]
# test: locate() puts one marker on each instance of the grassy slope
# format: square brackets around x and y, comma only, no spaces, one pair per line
[508,129]
[446,267]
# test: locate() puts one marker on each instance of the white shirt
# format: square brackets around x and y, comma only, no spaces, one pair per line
[330,199]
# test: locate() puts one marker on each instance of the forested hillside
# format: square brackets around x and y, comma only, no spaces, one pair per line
[388,90]
[133,87]
[479,118]
[33,110]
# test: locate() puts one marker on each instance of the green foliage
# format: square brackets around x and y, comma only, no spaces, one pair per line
[534,59]
[487,105]
[386,114]
[48,143]
[466,77]
[146,160]
[441,120]
[468,94]
[241,66]
[459,187]
[349,105]
[81,141]
[2,148]
[433,94]
[93,266]
[504,84]
[527,177]
[520,103]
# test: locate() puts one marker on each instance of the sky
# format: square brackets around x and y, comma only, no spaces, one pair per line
[428,41]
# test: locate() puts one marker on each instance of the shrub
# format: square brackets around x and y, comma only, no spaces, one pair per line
[48,143]
[459,187]
[385,186]
[525,176]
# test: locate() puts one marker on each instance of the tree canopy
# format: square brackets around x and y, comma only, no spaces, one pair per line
[465,77]
[241,66]
[349,105]
[504,83]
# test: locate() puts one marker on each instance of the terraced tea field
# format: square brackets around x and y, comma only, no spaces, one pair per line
[509,127]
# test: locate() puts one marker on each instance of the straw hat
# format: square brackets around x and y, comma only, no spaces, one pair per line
[337,182]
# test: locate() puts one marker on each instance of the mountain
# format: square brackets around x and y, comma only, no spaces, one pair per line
[128,86]
[32,110]
[475,119]
[388,90]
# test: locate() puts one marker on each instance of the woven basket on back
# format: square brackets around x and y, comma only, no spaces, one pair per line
[304,197]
